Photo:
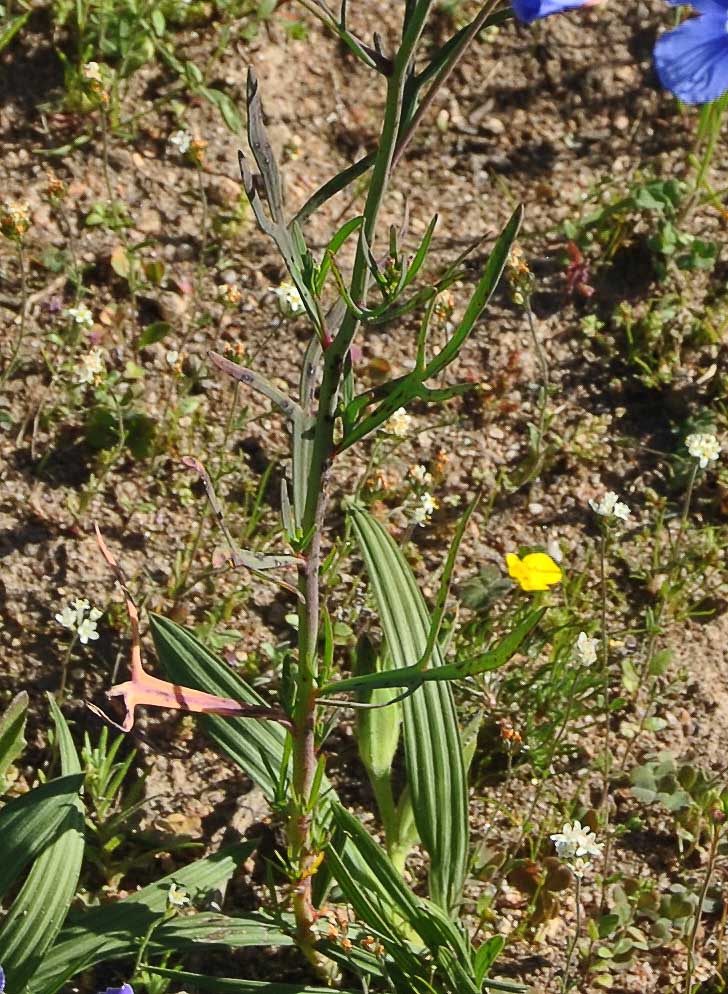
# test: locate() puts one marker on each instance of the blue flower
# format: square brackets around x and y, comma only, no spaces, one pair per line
[2,981]
[124,989]
[692,60]
[533,10]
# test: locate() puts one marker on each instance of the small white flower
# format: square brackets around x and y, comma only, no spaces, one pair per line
[181,141]
[87,630]
[290,302]
[420,475]
[425,509]
[80,315]
[586,649]
[399,424]
[610,506]
[177,897]
[451,500]
[92,71]
[67,617]
[704,447]
[73,616]
[575,841]
[91,366]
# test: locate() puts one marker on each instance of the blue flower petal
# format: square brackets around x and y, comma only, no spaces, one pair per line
[692,60]
[2,981]
[533,10]
[124,989]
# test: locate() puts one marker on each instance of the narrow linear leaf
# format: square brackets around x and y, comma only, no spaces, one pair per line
[254,929]
[262,151]
[481,295]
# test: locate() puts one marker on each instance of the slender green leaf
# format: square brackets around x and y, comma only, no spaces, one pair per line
[38,912]
[12,734]
[435,765]
[444,589]
[413,676]
[12,28]
[482,294]
[420,255]
[113,931]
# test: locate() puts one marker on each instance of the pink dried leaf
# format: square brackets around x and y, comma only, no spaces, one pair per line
[146,690]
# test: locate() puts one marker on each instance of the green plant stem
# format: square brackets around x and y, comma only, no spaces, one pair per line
[64,668]
[712,857]
[709,131]
[565,984]
[603,549]
[303,740]
[464,42]
[544,392]
[664,599]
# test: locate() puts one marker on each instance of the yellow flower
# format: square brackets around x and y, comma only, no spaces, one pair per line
[536,571]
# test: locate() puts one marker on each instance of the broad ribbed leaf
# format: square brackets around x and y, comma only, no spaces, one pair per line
[228,985]
[435,765]
[213,929]
[12,734]
[256,746]
[383,902]
[39,910]
[32,821]
[113,931]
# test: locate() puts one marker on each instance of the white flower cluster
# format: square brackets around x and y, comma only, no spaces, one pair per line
[420,475]
[181,141]
[80,315]
[290,302]
[575,843]
[80,618]
[610,506]
[425,508]
[399,424]
[91,366]
[704,447]
[586,649]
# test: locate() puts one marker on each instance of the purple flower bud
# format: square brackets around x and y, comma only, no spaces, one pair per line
[124,989]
